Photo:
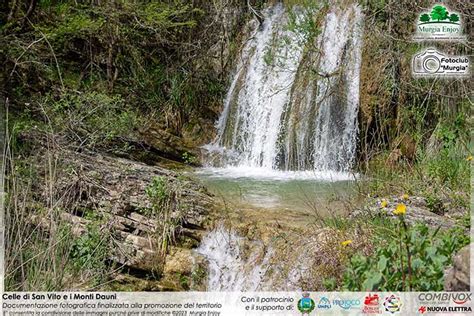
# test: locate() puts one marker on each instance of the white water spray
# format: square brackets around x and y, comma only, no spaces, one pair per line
[272,119]
[230,269]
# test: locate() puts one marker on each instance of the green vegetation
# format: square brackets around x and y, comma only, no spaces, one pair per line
[414,132]
[373,252]
[90,250]
[48,254]
[413,260]
[189,158]
[306,24]
[100,77]
[439,170]
[414,139]
[101,74]
[420,147]
[166,208]
[116,76]
[198,276]
[96,119]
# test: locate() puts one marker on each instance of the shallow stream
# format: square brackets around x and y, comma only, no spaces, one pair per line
[282,190]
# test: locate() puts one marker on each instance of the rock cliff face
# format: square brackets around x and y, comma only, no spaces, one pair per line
[88,186]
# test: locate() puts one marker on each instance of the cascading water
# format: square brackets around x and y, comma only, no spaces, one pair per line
[236,263]
[291,108]
[230,269]
[255,102]
[338,96]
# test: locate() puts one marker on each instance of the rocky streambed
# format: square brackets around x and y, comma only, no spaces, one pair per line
[217,243]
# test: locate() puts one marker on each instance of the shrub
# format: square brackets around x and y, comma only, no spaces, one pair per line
[189,158]
[90,250]
[95,119]
[430,252]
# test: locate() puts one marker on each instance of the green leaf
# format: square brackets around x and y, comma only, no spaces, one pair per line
[382,264]
[417,263]
[372,281]
[430,252]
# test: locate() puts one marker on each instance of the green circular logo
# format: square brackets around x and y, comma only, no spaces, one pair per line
[306,304]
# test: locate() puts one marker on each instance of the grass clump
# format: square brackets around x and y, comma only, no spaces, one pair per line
[166,207]
[44,251]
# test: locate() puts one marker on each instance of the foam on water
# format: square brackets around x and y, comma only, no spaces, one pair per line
[260,173]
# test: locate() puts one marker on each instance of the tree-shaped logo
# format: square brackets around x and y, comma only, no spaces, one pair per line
[454,18]
[425,17]
[439,14]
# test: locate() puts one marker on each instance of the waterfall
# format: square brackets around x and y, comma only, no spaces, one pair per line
[289,107]
[236,263]
[229,267]
[290,113]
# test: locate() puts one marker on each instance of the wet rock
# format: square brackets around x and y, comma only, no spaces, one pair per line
[166,144]
[457,278]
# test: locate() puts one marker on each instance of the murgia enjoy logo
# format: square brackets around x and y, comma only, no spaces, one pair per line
[439,24]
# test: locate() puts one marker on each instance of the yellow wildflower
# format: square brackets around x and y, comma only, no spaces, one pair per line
[346,242]
[469,158]
[405,196]
[401,209]
[384,203]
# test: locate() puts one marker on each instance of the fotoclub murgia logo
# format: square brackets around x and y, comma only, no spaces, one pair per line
[439,23]
[433,63]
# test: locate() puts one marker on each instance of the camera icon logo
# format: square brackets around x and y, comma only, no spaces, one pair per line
[428,62]
[432,63]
